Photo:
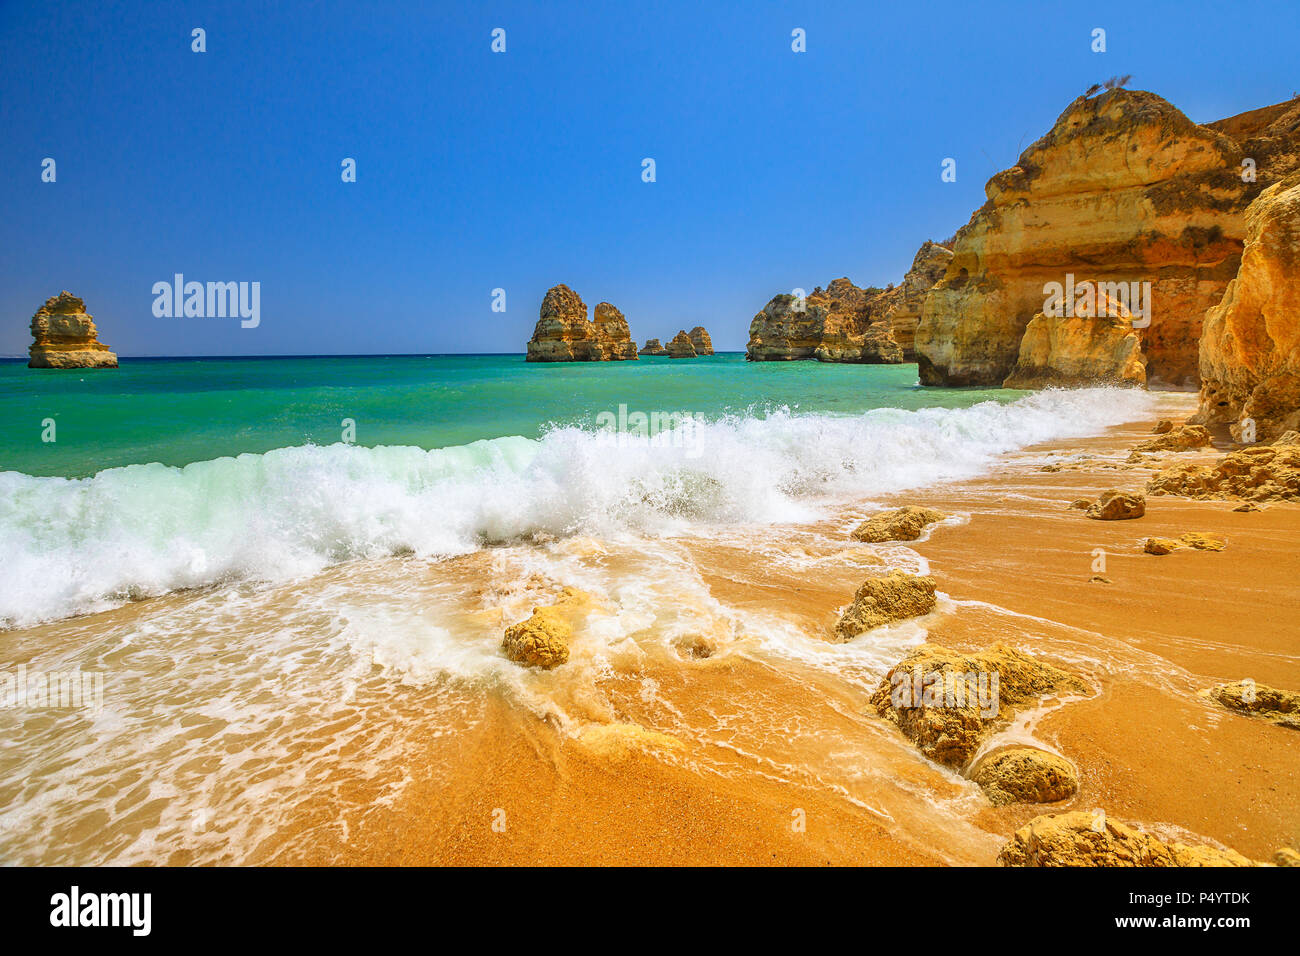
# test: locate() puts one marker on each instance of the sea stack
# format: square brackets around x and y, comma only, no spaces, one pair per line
[65,336]
[700,339]
[681,346]
[565,334]
[653,347]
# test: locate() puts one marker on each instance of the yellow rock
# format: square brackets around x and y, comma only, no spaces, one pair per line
[1259,473]
[883,600]
[1026,775]
[1080,838]
[1116,505]
[1281,707]
[934,696]
[1182,438]
[903,524]
[540,641]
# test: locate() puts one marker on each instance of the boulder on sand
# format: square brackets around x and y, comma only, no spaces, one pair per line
[1116,505]
[1025,775]
[902,524]
[882,600]
[1080,838]
[947,703]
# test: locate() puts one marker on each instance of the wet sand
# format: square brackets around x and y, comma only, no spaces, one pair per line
[743,757]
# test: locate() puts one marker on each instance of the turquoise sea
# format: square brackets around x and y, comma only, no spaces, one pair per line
[171,474]
[180,410]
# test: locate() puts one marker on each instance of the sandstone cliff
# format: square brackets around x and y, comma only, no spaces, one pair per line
[902,305]
[65,336]
[1250,347]
[565,334]
[841,323]
[681,346]
[700,339]
[1124,188]
[652,347]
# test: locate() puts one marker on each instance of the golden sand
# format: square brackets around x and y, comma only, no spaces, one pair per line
[737,758]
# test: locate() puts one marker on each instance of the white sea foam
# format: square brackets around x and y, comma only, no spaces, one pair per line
[77,545]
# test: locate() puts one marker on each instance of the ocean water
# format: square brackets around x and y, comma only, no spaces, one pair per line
[277,616]
[171,474]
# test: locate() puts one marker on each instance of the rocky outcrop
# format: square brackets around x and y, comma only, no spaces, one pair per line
[1116,505]
[1193,540]
[1124,188]
[841,323]
[1097,345]
[681,346]
[1025,775]
[902,524]
[1258,473]
[1081,838]
[65,336]
[564,333]
[1281,707]
[883,600]
[652,347]
[948,703]
[1182,438]
[1250,347]
[700,339]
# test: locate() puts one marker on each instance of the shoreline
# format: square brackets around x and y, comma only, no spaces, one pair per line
[1149,750]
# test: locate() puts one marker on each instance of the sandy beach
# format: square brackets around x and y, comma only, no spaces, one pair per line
[742,758]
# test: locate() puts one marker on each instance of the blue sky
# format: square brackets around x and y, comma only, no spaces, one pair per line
[519,170]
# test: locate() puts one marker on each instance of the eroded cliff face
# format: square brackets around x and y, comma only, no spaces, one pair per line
[841,323]
[1124,188]
[653,347]
[1250,347]
[65,336]
[564,333]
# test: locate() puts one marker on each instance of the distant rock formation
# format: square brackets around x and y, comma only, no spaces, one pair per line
[1250,348]
[65,336]
[1123,188]
[841,323]
[681,346]
[1096,346]
[700,339]
[652,347]
[565,334]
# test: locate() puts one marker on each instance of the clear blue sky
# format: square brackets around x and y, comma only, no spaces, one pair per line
[520,170]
